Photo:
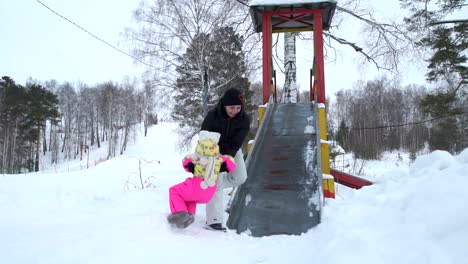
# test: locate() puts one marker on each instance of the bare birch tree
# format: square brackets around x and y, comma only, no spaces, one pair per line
[290,92]
[148,106]
[68,106]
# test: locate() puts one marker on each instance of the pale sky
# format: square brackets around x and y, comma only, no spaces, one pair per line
[37,43]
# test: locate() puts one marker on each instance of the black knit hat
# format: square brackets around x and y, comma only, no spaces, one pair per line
[232,97]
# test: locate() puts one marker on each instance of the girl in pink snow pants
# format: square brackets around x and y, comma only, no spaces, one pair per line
[205,164]
[184,198]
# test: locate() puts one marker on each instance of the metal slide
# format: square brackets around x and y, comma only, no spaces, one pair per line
[282,193]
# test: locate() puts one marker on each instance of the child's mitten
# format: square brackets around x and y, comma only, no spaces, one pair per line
[228,164]
[188,164]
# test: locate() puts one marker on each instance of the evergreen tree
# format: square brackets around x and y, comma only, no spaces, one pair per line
[12,106]
[447,64]
[446,68]
[25,111]
[211,65]
[444,132]
[342,135]
[228,68]
[192,97]
[448,59]
[42,107]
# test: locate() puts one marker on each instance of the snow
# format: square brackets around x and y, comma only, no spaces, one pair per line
[309,129]
[323,141]
[414,213]
[286,2]
[336,148]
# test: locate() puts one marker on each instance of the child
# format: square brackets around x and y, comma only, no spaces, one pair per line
[205,164]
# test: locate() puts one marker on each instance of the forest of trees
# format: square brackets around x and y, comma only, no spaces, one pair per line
[195,50]
[379,115]
[59,119]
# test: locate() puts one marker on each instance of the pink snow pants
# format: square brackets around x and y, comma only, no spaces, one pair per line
[186,195]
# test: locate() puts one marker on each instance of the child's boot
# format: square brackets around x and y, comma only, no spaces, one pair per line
[178,217]
[183,224]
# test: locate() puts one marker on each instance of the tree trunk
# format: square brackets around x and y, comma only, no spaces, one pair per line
[124,144]
[5,149]
[205,88]
[110,140]
[13,148]
[63,143]
[145,123]
[38,148]
[290,88]
[44,142]
[51,134]
[92,131]
[53,144]
[97,134]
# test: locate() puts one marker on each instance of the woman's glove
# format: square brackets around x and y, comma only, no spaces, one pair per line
[188,164]
[228,164]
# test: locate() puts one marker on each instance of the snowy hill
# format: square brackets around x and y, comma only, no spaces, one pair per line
[414,214]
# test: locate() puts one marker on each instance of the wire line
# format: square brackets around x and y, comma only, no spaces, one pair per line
[409,124]
[94,36]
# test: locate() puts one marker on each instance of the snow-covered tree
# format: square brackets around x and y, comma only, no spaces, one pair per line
[198,91]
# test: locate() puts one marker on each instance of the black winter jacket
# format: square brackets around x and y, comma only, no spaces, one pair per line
[233,130]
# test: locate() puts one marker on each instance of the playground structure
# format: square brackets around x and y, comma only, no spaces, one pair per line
[288,165]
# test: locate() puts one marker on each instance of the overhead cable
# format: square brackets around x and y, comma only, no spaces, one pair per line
[408,124]
[94,36]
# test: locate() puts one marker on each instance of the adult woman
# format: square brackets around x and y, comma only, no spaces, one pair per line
[230,120]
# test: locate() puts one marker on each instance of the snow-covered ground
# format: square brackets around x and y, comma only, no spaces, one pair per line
[413,214]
